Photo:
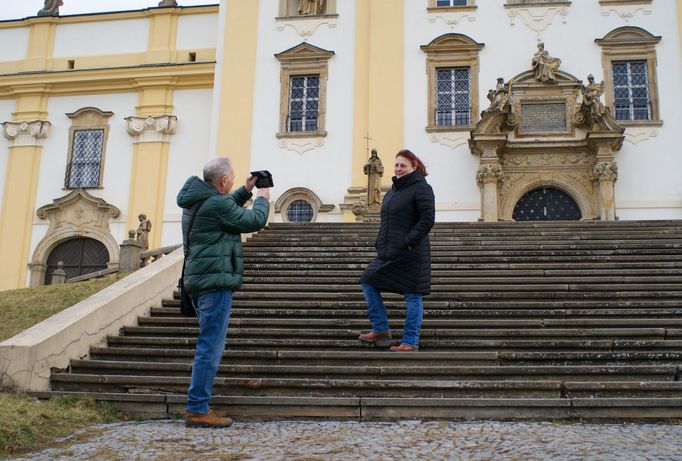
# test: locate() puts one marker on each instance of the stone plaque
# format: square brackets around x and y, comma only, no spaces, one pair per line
[541,118]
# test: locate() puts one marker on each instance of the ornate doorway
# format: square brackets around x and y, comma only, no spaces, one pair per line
[80,256]
[546,204]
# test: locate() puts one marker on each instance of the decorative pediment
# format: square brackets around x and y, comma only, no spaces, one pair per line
[78,210]
[304,52]
[449,43]
[627,35]
[528,77]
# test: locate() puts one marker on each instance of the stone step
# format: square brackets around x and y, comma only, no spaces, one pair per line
[263,281]
[428,324]
[472,265]
[267,285]
[297,334]
[352,275]
[81,369]
[623,389]
[314,358]
[427,345]
[164,405]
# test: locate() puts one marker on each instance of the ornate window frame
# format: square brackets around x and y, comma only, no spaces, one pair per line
[300,193]
[631,44]
[303,59]
[452,50]
[86,119]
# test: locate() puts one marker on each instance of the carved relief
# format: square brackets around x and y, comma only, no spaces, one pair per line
[604,171]
[627,9]
[488,174]
[300,145]
[26,133]
[635,135]
[452,140]
[151,129]
[536,18]
[77,214]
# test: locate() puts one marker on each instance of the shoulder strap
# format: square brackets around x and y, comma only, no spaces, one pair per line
[191,224]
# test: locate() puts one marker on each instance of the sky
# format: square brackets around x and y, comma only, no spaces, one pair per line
[17,9]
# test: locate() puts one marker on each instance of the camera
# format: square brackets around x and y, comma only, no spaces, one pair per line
[264,179]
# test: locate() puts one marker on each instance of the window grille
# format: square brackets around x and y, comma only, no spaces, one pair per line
[631,90]
[453,96]
[300,211]
[451,2]
[86,156]
[304,103]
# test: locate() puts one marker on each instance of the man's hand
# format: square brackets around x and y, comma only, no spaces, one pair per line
[250,182]
[265,193]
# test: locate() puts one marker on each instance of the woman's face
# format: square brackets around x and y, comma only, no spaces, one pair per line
[403,166]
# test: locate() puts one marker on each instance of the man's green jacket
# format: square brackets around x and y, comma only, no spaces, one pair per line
[214,260]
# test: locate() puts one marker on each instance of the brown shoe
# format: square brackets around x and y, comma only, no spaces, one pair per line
[404,348]
[373,336]
[210,419]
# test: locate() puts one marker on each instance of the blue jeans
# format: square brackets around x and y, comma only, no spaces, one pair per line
[213,313]
[379,320]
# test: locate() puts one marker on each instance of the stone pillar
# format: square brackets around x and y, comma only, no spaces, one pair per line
[131,251]
[151,141]
[606,173]
[488,177]
[59,274]
[18,201]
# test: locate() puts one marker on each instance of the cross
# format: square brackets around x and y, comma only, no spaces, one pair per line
[368,140]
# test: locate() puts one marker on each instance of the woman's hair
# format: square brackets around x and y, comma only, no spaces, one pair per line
[416,162]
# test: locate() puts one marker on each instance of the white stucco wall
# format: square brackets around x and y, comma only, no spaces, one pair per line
[16,43]
[325,170]
[197,31]
[117,161]
[102,37]
[187,154]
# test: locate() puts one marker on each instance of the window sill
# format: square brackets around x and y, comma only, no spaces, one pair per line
[307,16]
[624,2]
[449,129]
[457,9]
[536,4]
[636,123]
[301,134]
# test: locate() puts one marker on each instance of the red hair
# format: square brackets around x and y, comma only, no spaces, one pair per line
[414,160]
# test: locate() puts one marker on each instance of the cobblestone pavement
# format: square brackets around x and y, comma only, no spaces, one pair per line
[350,441]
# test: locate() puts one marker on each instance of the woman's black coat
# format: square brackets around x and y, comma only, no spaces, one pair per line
[403,262]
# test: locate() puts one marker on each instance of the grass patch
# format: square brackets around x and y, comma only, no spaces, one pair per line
[29,424]
[21,309]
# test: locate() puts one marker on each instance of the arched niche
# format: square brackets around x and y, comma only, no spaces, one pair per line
[77,214]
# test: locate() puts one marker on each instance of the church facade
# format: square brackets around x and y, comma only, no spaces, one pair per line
[521,110]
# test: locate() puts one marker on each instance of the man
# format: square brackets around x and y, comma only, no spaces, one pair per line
[213,270]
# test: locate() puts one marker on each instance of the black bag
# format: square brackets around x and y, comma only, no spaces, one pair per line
[186,305]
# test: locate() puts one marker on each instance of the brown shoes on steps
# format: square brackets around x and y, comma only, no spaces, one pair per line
[373,336]
[210,419]
[404,348]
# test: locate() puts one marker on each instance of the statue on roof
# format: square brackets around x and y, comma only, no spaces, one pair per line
[171,3]
[499,97]
[544,65]
[51,8]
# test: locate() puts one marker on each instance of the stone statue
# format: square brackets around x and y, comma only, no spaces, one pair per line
[499,97]
[306,7]
[374,170]
[591,94]
[51,8]
[143,231]
[544,65]
[172,3]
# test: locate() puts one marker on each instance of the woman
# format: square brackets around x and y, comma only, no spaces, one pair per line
[403,262]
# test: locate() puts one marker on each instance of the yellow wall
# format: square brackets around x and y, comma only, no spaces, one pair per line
[378,80]
[679,18]
[236,87]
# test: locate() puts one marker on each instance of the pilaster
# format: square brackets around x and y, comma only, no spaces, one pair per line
[19,198]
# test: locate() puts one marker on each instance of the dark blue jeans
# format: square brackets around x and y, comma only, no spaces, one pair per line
[213,313]
[379,319]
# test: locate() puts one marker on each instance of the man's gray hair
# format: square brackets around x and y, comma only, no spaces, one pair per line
[216,168]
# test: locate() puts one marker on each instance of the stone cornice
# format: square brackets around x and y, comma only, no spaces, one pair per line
[27,133]
[151,129]
[119,79]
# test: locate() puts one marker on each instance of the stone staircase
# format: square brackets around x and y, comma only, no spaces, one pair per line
[526,320]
